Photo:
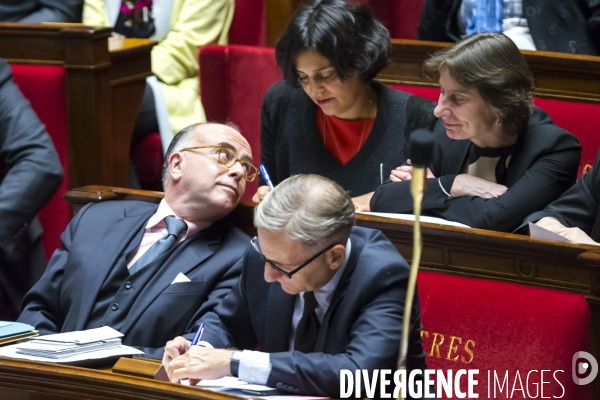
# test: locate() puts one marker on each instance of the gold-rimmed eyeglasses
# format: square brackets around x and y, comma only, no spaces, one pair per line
[227,157]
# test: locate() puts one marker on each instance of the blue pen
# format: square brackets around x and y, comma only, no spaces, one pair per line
[198,334]
[265,175]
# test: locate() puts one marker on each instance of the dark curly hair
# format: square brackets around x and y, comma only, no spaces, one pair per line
[492,64]
[345,33]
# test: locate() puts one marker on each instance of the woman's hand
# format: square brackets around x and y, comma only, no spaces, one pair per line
[362,203]
[467,185]
[260,194]
[404,173]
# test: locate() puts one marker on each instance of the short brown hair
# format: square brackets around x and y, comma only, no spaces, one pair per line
[492,64]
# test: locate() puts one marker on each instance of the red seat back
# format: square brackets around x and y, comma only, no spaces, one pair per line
[233,83]
[399,17]
[581,119]
[44,87]
[249,25]
[488,325]
[431,93]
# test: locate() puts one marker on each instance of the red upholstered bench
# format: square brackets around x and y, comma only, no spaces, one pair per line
[581,119]
[399,17]
[44,87]
[498,327]
[249,27]
[233,83]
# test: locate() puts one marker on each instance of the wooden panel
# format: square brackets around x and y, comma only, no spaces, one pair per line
[279,13]
[557,75]
[104,88]
[28,380]
[460,251]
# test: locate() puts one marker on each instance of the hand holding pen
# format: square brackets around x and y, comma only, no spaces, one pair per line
[263,190]
[199,333]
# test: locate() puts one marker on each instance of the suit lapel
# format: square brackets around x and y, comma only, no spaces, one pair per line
[338,295]
[126,235]
[197,249]
[280,310]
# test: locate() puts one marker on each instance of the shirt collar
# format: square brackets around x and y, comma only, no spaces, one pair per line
[324,294]
[164,211]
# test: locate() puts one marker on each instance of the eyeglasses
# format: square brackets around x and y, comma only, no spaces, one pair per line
[254,242]
[227,157]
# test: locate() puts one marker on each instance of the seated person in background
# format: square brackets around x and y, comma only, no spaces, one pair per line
[171,100]
[38,11]
[151,271]
[576,214]
[495,162]
[329,117]
[30,173]
[316,294]
[550,25]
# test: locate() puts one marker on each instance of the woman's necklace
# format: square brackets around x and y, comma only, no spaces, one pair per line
[362,135]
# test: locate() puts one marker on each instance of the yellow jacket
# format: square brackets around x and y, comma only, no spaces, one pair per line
[193,23]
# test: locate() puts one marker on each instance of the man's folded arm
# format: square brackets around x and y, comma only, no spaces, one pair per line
[41,305]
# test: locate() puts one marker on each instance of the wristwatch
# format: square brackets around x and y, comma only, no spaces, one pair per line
[234,363]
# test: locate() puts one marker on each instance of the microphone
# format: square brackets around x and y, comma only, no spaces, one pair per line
[421,148]
[421,153]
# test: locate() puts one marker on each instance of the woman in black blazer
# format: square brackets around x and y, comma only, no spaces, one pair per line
[328,117]
[497,157]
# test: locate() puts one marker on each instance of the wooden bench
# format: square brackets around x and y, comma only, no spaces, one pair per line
[490,301]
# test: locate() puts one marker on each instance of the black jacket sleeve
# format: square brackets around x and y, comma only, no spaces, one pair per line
[28,162]
[579,206]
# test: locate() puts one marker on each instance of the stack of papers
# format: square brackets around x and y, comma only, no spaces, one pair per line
[50,349]
[91,344]
[14,331]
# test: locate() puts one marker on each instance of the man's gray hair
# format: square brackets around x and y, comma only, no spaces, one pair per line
[308,208]
[179,141]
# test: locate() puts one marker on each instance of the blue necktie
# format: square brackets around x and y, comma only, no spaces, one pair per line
[174,228]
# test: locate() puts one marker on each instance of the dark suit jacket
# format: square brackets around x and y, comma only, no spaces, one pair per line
[30,173]
[291,145]
[543,165]
[360,330]
[95,239]
[567,26]
[579,206]
[37,11]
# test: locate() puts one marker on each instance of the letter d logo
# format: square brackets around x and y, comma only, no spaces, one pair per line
[580,368]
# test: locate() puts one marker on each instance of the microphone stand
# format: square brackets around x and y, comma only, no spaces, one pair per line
[421,149]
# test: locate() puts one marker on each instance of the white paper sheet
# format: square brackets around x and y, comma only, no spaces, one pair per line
[11,351]
[411,217]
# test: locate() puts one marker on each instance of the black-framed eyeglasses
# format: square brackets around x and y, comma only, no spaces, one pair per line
[254,242]
[227,157]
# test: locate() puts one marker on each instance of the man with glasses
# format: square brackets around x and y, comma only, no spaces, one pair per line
[151,271]
[316,295]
